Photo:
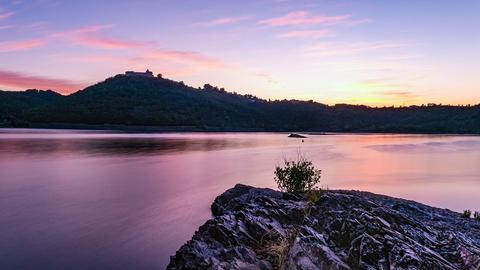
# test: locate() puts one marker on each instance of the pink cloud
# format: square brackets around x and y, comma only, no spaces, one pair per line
[79,31]
[103,58]
[98,41]
[142,53]
[306,34]
[304,18]
[88,36]
[12,46]
[180,72]
[91,28]
[224,20]
[5,15]
[186,57]
[359,21]
[22,81]
[85,36]
[172,63]
[326,49]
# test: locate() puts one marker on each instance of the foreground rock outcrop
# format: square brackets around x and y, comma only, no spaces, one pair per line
[256,228]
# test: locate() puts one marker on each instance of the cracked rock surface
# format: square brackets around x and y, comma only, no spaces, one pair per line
[255,228]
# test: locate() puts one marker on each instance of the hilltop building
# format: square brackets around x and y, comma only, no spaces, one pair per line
[147,74]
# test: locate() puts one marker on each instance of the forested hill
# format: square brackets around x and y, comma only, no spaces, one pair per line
[139,101]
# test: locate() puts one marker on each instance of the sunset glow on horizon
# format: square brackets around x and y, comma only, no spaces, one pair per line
[377,53]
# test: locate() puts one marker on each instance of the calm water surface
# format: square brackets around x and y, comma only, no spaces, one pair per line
[101,200]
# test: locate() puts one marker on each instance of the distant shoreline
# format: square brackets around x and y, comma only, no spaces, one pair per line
[181,129]
[142,104]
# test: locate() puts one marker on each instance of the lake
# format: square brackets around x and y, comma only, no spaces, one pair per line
[107,200]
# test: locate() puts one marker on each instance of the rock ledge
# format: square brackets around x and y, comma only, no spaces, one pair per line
[255,228]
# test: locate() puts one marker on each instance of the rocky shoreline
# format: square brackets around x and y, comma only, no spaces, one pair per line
[255,228]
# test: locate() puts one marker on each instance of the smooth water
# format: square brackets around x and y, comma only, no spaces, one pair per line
[100,200]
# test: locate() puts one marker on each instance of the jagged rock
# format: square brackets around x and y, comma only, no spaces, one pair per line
[255,228]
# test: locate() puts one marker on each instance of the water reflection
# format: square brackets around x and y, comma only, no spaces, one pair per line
[106,200]
[114,146]
[429,147]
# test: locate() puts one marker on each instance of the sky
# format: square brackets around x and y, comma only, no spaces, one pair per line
[372,52]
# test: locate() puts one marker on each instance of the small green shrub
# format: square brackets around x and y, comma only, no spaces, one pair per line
[467,213]
[297,175]
[476,215]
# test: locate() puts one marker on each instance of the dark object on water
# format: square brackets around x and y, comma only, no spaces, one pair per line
[255,228]
[295,135]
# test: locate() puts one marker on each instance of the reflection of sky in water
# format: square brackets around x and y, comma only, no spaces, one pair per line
[428,147]
[113,146]
[129,144]
[82,200]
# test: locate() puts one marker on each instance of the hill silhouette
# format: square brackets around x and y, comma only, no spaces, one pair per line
[163,103]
